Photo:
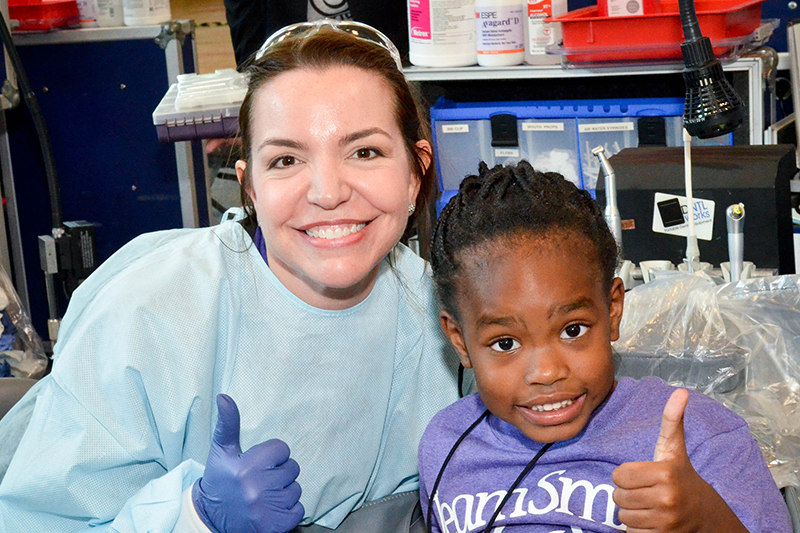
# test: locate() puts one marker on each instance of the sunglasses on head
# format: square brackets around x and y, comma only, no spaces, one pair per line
[307,29]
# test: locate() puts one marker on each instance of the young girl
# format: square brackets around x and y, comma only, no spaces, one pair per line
[524,268]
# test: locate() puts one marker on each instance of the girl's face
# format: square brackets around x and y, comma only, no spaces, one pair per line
[536,326]
[331,181]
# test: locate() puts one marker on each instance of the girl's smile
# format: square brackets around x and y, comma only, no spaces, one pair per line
[553,413]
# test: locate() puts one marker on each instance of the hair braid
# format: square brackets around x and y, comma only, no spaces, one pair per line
[511,201]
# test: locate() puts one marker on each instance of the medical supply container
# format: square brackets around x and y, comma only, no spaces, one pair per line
[441,33]
[201,106]
[590,36]
[552,135]
[540,34]
[43,15]
[109,13]
[499,32]
[145,12]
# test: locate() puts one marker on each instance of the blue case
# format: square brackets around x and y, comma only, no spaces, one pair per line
[553,135]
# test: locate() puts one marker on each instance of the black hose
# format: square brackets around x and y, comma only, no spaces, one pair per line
[691,28]
[38,122]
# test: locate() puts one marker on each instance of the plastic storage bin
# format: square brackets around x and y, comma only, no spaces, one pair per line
[552,135]
[201,106]
[589,37]
[43,15]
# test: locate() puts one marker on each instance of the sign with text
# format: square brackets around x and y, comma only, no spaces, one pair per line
[670,216]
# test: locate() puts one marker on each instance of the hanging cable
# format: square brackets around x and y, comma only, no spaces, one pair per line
[38,122]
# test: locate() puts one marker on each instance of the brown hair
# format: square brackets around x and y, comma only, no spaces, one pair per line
[330,48]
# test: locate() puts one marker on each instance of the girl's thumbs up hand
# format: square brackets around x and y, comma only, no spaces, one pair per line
[666,494]
[671,444]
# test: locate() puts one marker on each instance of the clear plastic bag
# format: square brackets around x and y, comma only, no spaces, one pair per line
[20,345]
[737,342]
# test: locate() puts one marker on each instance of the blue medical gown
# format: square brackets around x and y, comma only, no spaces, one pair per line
[122,425]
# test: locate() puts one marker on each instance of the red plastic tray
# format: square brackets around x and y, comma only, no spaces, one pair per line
[591,38]
[43,15]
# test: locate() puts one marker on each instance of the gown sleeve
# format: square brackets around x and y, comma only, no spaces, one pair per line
[121,427]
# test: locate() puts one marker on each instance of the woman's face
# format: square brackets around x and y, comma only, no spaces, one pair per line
[331,181]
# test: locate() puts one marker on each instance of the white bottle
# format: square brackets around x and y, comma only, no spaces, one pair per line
[145,12]
[108,13]
[441,33]
[86,12]
[499,32]
[539,34]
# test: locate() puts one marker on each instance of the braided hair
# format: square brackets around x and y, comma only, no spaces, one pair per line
[511,202]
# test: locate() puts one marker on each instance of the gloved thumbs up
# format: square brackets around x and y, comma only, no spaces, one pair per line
[671,443]
[226,433]
[251,491]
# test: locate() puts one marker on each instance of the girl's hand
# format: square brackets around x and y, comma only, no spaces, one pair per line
[667,494]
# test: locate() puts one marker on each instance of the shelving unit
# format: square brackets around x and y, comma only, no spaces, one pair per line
[746,71]
[97,89]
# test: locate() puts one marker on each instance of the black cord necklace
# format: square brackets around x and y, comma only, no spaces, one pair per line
[520,477]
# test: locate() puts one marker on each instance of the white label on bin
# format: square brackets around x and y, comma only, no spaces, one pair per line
[542,126]
[605,126]
[455,128]
[670,216]
[506,152]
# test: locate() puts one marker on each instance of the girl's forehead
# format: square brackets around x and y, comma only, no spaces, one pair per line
[513,276]
[493,258]
[519,243]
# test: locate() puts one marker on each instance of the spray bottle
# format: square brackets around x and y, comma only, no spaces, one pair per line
[540,34]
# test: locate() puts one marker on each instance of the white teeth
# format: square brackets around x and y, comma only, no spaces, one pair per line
[335,232]
[551,406]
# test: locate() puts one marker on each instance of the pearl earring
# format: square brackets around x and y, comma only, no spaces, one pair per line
[411,208]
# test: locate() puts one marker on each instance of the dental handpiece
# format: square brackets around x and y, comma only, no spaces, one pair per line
[611,211]
[734,218]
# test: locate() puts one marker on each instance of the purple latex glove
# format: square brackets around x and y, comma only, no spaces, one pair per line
[253,491]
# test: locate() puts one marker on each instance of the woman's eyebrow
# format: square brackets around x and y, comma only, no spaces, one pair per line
[353,137]
[285,143]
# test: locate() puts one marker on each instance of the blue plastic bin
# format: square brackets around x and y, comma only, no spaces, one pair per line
[552,135]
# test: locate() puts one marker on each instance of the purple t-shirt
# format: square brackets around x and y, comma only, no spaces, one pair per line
[569,489]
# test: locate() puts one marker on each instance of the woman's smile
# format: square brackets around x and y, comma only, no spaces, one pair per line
[334,231]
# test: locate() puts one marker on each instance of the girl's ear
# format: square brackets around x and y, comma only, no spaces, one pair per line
[617,299]
[453,332]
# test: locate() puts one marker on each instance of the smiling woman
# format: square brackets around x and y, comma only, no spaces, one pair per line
[303,309]
[331,181]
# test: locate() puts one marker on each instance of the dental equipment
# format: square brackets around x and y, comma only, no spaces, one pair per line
[734,218]
[692,250]
[712,106]
[611,211]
